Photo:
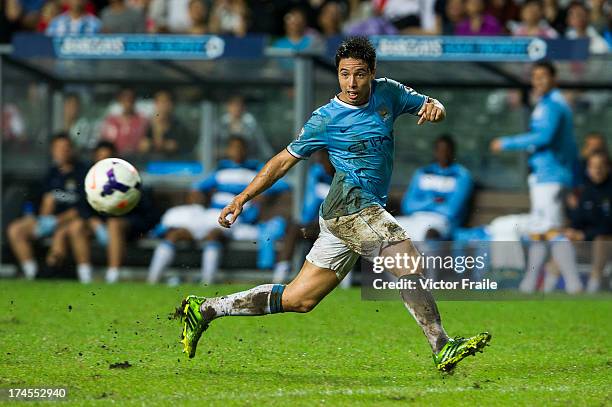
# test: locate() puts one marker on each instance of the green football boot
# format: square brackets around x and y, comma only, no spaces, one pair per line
[193,323]
[457,349]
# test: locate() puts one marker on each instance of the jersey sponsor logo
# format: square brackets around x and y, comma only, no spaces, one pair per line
[437,183]
[372,142]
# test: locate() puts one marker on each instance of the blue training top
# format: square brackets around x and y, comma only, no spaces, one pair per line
[359,140]
[550,141]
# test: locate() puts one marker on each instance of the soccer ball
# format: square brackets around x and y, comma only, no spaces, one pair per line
[113,186]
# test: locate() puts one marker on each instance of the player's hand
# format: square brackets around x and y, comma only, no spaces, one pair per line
[574,234]
[432,111]
[233,210]
[496,145]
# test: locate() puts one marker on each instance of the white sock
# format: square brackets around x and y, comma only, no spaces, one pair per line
[347,281]
[84,272]
[281,271]
[537,256]
[593,285]
[260,300]
[112,275]
[30,269]
[550,281]
[211,257]
[162,258]
[564,254]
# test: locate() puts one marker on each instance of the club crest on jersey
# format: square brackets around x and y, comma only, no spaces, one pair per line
[384,113]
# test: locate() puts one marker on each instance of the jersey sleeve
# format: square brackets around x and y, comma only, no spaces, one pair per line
[405,99]
[311,138]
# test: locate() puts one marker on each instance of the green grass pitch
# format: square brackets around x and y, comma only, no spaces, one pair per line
[346,351]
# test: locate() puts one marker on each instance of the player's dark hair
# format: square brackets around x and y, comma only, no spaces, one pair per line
[575,3]
[549,66]
[60,136]
[106,144]
[448,140]
[357,48]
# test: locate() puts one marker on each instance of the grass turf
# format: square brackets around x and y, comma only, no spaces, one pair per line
[345,351]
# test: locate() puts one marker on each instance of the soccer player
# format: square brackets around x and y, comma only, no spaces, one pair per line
[435,202]
[553,158]
[356,128]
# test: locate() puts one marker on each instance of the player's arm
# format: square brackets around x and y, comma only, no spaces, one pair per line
[542,132]
[47,205]
[431,111]
[274,170]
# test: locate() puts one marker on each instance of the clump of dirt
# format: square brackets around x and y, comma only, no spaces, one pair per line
[120,365]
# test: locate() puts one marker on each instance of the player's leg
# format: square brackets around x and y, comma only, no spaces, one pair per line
[537,254]
[59,247]
[564,253]
[602,247]
[79,234]
[20,234]
[212,249]
[309,287]
[164,253]
[115,250]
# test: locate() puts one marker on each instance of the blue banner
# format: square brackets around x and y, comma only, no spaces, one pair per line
[501,49]
[188,47]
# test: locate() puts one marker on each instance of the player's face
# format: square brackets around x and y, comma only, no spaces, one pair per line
[102,154]
[592,144]
[598,169]
[443,154]
[61,152]
[236,151]
[542,81]
[355,80]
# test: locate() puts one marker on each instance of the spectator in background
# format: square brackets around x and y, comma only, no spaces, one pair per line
[330,19]
[532,24]
[49,11]
[415,17]
[165,132]
[198,15]
[238,121]
[449,13]
[117,17]
[169,16]
[77,127]
[74,21]
[598,17]
[63,200]
[229,17]
[196,222]
[477,21]
[504,11]
[435,202]
[579,26]
[376,24]
[127,129]
[295,37]
[12,123]
[591,217]
[593,141]
[554,15]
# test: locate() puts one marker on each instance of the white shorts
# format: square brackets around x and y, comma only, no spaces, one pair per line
[200,221]
[417,225]
[546,206]
[342,240]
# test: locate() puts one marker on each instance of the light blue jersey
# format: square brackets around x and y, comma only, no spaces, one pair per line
[359,140]
[550,141]
[443,190]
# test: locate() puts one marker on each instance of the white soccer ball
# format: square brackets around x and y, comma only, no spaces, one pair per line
[113,186]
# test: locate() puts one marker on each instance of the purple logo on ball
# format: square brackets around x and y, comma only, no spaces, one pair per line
[112,185]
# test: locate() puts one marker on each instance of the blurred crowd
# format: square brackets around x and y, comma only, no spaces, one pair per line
[300,23]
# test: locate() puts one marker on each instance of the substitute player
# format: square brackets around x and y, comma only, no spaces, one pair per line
[356,127]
